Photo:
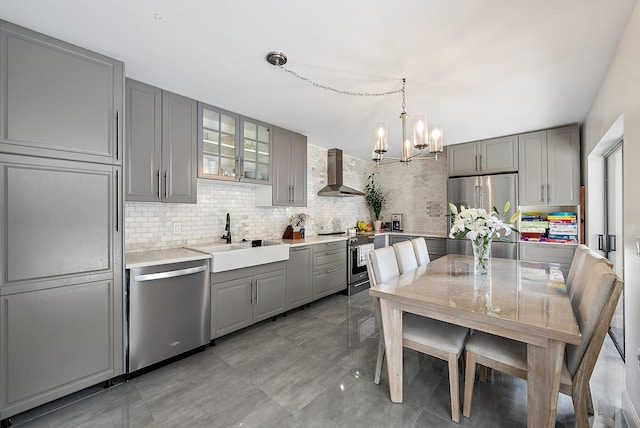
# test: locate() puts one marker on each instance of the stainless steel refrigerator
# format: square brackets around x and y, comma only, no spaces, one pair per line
[485,191]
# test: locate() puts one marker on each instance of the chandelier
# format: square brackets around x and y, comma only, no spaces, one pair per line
[424,136]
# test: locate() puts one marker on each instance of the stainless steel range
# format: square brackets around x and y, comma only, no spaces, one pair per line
[357,277]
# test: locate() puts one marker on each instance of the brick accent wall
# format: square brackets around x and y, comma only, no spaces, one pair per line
[419,192]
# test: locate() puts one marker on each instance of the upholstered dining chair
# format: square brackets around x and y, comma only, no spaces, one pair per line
[582,274]
[406,256]
[422,253]
[426,335]
[576,263]
[594,310]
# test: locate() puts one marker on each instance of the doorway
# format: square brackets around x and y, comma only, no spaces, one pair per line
[612,243]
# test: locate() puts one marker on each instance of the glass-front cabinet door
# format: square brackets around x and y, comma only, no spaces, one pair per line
[218,145]
[255,157]
[232,147]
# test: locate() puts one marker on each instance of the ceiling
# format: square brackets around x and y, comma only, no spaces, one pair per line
[483,68]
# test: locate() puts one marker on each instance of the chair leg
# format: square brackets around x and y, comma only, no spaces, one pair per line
[379,360]
[469,380]
[590,410]
[454,387]
[580,407]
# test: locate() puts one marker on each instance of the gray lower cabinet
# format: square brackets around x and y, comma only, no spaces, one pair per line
[299,276]
[329,268]
[161,145]
[242,297]
[437,247]
[57,341]
[61,279]
[59,100]
[549,252]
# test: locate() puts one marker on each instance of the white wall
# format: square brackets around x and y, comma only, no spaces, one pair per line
[619,95]
[417,191]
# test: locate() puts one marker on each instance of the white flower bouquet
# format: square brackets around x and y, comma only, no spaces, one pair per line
[481,227]
[474,223]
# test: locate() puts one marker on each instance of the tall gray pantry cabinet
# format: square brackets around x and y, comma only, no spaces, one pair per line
[61,327]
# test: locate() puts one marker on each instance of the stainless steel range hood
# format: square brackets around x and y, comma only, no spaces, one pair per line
[335,187]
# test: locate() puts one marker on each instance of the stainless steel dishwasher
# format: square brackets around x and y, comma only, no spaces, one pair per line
[169,311]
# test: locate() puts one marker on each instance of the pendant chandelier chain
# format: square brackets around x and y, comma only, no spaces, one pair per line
[343,92]
[404,101]
[424,136]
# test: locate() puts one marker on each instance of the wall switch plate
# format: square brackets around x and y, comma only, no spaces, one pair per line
[177,228]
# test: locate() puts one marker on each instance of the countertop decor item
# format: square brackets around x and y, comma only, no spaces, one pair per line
[481,227]
[376,199]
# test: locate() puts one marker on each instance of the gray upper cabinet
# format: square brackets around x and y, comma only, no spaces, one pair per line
[491,156]
[61,101]
[233,147]
[550,167]
[289,171]
[161,145]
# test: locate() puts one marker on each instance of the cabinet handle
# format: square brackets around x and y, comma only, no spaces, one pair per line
[117,201]
[542,193]
[117,135]
[611,243]
[333,270]
[476,162]
[240,168]
[166,184]
[257,290]
[480,169]
[548,193]
[600,242]
[159,184]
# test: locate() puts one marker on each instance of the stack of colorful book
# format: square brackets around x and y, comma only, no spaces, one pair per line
[533,227]
[563,227]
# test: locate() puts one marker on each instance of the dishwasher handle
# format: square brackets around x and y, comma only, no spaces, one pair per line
[169,274]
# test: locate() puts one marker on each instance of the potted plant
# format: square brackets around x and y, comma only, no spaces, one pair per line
[376,199]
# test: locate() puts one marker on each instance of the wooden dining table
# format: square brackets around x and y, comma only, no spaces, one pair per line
[520,300]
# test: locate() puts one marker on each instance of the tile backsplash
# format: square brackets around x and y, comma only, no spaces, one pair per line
[419,192]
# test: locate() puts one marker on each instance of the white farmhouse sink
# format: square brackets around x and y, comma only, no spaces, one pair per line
[235,256]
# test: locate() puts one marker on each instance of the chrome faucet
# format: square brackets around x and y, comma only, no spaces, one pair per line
[227,230]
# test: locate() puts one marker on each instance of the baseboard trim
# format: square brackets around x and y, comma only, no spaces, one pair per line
[629,412]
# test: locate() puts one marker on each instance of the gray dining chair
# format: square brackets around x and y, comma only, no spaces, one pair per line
[593,311]
[576,263]
[422,253]
[406,256]
[429,336]
[583,271]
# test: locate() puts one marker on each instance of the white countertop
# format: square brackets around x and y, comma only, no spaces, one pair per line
[160,257]
[315,239]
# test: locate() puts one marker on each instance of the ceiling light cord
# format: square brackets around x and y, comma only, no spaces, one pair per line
[340,91]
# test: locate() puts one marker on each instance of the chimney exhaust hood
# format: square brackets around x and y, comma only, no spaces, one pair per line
[335,186]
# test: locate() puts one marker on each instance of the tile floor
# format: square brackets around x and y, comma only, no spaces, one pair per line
[313,368]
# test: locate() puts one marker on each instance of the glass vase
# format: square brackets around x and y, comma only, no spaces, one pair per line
[481,252]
